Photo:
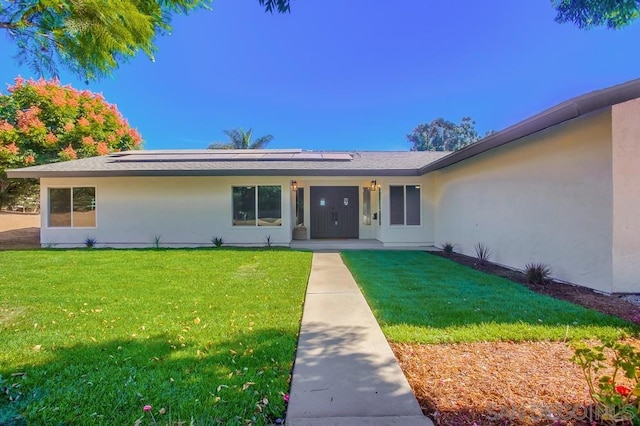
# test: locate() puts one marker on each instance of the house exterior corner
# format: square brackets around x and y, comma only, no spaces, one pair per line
[626,196]
[543,198]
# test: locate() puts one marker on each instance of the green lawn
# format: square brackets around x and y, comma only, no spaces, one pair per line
[422,298]
[92,336]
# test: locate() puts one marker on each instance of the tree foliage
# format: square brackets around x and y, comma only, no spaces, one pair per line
[282,6]
[239,139]
[43,121]
[586,14]
[443,135]
[92,37]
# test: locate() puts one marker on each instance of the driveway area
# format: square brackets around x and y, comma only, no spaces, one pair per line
[19,230]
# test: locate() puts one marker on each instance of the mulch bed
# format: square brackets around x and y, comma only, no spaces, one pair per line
[504,383]
[497,383]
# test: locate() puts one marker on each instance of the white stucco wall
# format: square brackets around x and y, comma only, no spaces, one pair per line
[190,211]
[183,211]
[399,235]
[306,182]
[546,198]
[626,196]
[390,235]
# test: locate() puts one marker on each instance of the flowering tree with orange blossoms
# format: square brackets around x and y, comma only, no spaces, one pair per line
[42,121]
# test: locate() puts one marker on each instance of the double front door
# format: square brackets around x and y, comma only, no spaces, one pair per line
[334,211]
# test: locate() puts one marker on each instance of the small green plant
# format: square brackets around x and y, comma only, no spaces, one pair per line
[447,248]
[268,241]
[616,403]
[90,242]
[156,241]
[483,253]
[537,273]
[217,241]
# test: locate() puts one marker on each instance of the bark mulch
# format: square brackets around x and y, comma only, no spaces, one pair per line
[503,383]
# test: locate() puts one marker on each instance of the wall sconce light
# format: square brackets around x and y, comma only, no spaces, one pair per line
[374,185]
[294,185]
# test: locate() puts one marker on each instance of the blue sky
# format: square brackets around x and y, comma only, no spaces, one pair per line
[355,74]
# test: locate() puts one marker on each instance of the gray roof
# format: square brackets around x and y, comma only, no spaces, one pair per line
[238,163]
[296,162]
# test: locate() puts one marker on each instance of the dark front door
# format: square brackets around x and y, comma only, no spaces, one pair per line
[334,211]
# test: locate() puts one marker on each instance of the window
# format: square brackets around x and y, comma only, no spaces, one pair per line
[244,205]
[366,206]
[404,204]
[257,205]
[300,206]
[72,207]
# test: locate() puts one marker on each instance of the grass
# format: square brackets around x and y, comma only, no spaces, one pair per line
[91,336]
[422,298]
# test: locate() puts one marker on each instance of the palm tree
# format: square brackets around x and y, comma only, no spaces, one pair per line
[239,139]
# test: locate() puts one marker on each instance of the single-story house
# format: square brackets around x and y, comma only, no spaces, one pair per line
[561,188]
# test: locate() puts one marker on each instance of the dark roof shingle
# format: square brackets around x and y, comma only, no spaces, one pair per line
[233,163]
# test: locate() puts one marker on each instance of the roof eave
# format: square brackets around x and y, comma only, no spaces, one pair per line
[26,173]
[558,114]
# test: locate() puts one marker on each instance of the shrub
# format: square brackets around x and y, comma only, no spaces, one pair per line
[268,241]
[537,273]
[90,242]
[447,248]
[616,402]
[156,241]
[483,253]
[43,121]
[217,241]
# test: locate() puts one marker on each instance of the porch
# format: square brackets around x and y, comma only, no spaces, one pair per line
[352,244]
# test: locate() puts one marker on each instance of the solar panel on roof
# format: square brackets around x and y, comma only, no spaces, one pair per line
[229,155]
[278,156]
[336,156]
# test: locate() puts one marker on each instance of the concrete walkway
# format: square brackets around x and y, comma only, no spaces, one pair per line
[345,372]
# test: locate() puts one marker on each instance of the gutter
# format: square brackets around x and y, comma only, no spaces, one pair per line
[26,173]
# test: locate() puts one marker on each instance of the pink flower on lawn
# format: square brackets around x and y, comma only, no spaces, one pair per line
[147,408]
[285,397]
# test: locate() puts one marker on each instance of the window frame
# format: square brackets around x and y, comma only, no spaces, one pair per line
[405,206]
[256,207]
[72,206]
